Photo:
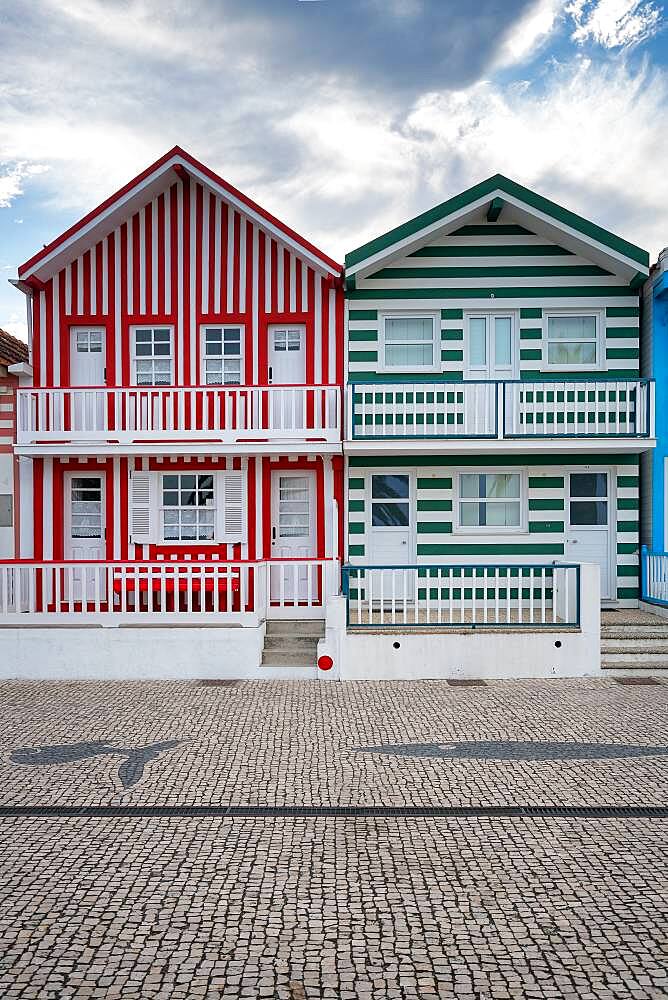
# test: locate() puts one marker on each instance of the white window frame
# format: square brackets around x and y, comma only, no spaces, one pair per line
[412,508]
[474,374]
[598,315]
[162,508]
[133,337]
[470,529]
[242,361]
[436,342]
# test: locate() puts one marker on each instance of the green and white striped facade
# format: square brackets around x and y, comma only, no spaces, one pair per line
[534,259]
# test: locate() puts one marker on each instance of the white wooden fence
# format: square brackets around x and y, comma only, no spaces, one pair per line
[577,408]
[153,413]
[201,592]
[462,595]
[654,567]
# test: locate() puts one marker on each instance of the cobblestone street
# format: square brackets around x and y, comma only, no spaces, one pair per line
[336,907]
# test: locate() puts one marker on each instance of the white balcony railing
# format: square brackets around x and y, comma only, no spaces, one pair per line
[463,596]
[197,592]
[219,413]
[600,408]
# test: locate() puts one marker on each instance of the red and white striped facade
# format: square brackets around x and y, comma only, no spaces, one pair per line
[179,247]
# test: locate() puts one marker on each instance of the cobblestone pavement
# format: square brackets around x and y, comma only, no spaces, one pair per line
[335,908]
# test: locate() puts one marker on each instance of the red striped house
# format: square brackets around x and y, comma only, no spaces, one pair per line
[13,355]
[184,409]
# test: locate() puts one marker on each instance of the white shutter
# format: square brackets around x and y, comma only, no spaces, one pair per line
[233,507]
[142,526]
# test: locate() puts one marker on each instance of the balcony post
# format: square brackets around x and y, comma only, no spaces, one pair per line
[500,410]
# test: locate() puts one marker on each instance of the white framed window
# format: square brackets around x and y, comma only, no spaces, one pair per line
[490,345]
[152,355]
[88,341]
[188,507]
[491,502]
[573,340]
[410,342]
[222,355]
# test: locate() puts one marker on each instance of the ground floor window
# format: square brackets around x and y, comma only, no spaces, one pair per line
[490,500]
[188,507]
[389,501]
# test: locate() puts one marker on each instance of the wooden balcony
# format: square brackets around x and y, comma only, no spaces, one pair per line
[141,415]
[566,411]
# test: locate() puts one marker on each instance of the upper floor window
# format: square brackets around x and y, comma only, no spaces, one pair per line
[152,355]
[223,358]
[573,341]
[410,343]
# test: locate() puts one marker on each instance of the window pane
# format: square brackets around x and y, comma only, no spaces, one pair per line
[205,482]
[170,482]
[469,514]
[142,336]
[469,485]
[144,350]
[502,485]
[478,341]
[390,515]
[389,487]
[502,515]
[410,330]
[571,354]
[589,512]
[503,351]
[161,336]
[571,327]
[413,355]
[589,484]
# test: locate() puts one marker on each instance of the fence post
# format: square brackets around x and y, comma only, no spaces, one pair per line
[644,557]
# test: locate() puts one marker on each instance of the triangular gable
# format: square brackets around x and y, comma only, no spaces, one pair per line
[500,198]
[137,193]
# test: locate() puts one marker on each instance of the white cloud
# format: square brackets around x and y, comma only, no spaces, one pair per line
[11,181]
[530,33]
[614,23]
[16,326]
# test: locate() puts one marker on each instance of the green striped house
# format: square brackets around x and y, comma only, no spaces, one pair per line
[495,412]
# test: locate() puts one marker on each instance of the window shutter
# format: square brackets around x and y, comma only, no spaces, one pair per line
[233,513]
[142,521]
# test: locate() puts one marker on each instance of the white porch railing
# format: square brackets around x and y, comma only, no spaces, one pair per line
[197,592]
[526,409]
[654,576]
[462,595]
[221,413]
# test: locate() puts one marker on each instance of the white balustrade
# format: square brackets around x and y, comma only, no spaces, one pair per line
[223,413]
[462,595]
[655,580]
[547,408]
[245,592]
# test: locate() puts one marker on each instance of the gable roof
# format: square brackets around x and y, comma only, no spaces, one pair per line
[12,350]
[499,191]
[141,189]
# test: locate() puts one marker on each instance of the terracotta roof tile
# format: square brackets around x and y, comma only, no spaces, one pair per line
[12,350]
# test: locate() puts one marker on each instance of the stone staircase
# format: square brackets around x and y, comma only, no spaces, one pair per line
[634,643]
[291,647]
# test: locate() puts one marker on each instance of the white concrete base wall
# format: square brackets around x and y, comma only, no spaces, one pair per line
[130,653]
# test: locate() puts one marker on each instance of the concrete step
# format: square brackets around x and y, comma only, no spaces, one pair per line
[291,642]
[641,660]
[634,632]
[277,658]
[306,627]
[633,646]
[636,665]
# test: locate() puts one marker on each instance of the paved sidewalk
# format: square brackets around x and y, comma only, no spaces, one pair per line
[337,908]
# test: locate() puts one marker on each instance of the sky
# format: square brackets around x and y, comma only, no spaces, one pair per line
[341,117]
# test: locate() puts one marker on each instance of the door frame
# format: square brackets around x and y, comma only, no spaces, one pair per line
[67,504]
[488,313]
[612,522]
[412,509]
[90,328]
[302,327]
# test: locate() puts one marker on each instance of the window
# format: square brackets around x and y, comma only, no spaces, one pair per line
[573,341]
[490,349]
[6,514]
[588,504]
[287,340]
[153,355]
[188,507]
[408,343]
[88,341]
[490,500]
[222,355]
[390,501]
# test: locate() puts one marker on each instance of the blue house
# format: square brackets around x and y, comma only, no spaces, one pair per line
[654,355]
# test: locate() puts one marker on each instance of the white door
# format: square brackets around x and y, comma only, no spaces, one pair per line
[87,368]
[391,520]
[287,367]
[589,527]
[490,348]
[85,530]
[293,533]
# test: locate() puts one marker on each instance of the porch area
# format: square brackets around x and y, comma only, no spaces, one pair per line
[163,593]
